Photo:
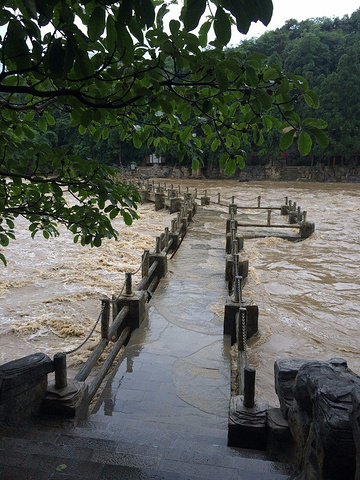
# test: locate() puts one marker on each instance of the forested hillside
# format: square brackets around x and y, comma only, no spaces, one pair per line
[325,51]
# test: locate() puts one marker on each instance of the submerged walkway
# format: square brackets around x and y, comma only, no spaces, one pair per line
[163,413]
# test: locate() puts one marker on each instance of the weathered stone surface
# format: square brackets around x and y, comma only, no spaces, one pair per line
[285,374]
[318,416]
[247,426]
[70,402]
[280,443]
[354,414]
[277,424]
[23,385]
[252,321]
[24,370]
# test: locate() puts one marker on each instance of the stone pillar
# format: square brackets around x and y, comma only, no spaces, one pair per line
[243,267]
[159,201]
[162,268]
[231,310]
[136,302]
[23,387]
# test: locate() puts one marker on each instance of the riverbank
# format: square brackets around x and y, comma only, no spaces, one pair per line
[275,171]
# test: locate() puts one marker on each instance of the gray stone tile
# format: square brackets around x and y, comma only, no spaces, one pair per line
[126,459]
[16,473]
[43,463]
[87,442]
[200,470]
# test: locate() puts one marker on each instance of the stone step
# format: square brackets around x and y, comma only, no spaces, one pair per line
[85,453]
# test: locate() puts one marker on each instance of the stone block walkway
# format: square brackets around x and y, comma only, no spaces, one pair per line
[163,412]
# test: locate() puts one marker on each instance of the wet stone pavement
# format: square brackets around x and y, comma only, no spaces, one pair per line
[163,412]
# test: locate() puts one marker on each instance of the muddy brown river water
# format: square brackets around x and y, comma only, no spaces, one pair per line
[307,292]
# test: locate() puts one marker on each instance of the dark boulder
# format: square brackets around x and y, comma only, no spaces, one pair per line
[317,401]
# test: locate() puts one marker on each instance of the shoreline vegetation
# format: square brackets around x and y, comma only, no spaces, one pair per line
[273,171]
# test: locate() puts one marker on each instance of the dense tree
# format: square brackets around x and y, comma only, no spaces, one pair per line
[122,66]
[326,52]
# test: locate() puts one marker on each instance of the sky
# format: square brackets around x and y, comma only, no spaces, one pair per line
[300,10]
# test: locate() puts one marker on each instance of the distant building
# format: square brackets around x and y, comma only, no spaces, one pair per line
[153,159]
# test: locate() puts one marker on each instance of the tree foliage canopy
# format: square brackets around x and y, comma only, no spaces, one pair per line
[125,66]
[326,52]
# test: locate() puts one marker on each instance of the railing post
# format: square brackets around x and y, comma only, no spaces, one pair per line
[145,263]
[219,197]
[259,201]
[128,284]
[158,245]
[166,236]
[268,217]
[105,318]
[60,370]
[237,289]
[249,386]
[299,215]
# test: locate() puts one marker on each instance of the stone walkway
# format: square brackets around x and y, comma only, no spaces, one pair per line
[163,413]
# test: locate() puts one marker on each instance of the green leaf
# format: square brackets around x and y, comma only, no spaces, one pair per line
[185,115]
[206,106]
[230,166]
[15,46]
[136,140]
[61,467]
[4,240]
[203,34]
[240,160]
[163,10]
[192,12]
[215,144]
[3,259]
[42,124]
[127,217]
[287,139]
[97,241]
[264,98]
[96,23]
[50,119]
[315,122]
[111,35]
[195,164]
[304,143]
[251,77]
[56,59]
[321,137]
[222,26]
[174,27]
[223,160]
[311,99]
[222,79]
[267,122]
